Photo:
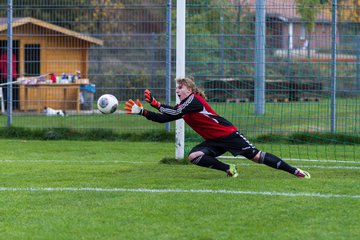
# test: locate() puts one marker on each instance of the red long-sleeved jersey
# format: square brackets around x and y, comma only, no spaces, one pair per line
[198,114]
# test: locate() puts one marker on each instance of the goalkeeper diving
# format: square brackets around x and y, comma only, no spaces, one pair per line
[219,134]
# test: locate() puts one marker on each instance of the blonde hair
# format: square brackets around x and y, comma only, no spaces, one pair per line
[189,83]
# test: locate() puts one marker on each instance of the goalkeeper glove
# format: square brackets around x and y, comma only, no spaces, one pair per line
[150,99]
[134,108]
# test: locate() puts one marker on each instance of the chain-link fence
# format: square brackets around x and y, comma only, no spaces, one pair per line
[119,47]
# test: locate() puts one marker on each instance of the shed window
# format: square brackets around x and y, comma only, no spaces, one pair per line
[32,59]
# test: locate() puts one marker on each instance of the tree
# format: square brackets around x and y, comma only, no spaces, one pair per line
[216,31]
[97,14]
[349,10]
[308,10]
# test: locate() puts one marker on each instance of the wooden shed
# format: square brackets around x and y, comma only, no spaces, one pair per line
[42,47]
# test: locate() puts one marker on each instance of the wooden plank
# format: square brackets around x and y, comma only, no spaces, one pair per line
[34,97]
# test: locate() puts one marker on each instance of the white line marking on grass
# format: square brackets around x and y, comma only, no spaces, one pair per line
[68,161]
[301,160]
[144,190]
[330,167]
[307,166]
[320,161]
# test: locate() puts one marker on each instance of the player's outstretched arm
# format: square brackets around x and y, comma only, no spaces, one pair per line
[150,99]
[132,107]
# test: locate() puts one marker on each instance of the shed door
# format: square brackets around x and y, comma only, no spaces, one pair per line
[3,49]
[32,59]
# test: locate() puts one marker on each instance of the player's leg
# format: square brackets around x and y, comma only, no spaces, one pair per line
[201,159]
[204,155]
[272,161]
[275,162]
[239,145]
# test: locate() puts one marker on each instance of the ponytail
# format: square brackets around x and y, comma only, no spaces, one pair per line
[189,83]
[200,92]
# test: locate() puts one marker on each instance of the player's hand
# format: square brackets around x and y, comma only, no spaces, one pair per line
[134,108]
[150,99]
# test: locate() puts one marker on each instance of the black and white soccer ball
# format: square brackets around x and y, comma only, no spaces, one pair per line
[107,104]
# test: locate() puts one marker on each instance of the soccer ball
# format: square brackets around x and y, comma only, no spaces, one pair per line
[107,104]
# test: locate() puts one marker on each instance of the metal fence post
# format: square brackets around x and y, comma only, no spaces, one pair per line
[9,63]
[168,58]
[222,45]
[357,46]
[333,65]
[152,61]
[259,90]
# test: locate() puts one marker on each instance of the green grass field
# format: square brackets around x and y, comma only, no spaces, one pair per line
[120,190]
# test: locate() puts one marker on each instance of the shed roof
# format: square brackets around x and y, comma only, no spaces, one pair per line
[22,21]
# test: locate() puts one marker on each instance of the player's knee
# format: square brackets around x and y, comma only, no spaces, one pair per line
[259,157]
[194,155]
[253,154]
[256,158]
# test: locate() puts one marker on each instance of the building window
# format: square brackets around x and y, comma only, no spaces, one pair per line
[32,59]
